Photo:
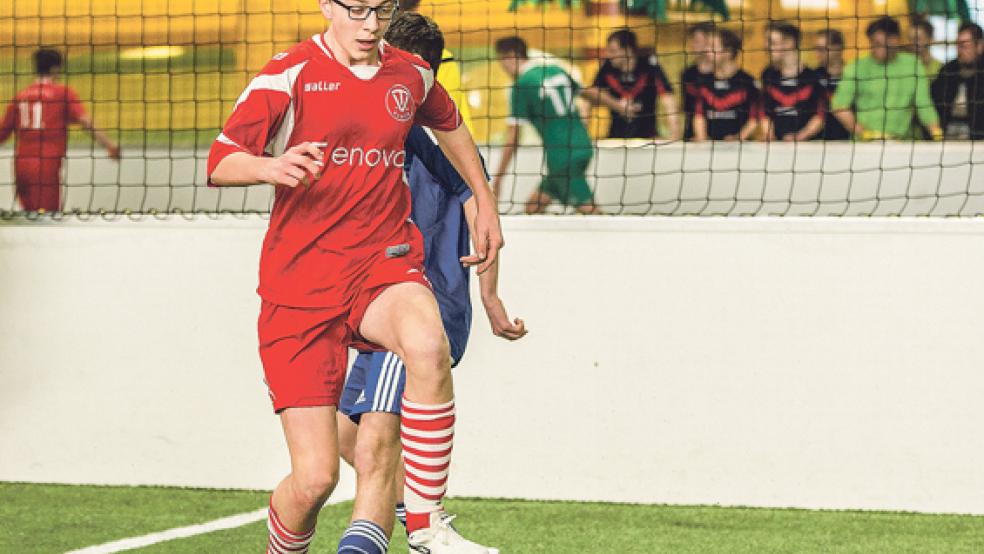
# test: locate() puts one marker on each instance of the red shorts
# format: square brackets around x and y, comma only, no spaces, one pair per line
[38,183]
[305,350]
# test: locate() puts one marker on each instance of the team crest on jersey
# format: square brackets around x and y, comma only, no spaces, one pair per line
[399,103]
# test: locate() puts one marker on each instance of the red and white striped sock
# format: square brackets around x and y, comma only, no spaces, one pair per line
[427,434]
[283,540]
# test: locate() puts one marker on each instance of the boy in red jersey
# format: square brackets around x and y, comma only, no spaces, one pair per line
[342,265]
[40,115]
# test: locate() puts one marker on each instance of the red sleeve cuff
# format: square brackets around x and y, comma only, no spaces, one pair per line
[222,147]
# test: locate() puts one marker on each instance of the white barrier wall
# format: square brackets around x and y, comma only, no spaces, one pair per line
[628,177]
[766,362]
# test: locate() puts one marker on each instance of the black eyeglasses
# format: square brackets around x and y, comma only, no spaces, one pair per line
[360,12]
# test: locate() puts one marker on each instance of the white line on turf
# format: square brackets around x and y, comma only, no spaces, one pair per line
[177,533]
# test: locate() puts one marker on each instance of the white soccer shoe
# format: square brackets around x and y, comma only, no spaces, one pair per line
[442,538]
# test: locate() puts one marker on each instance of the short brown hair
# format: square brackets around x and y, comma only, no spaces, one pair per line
[730,40]
[514,45]
[417,34]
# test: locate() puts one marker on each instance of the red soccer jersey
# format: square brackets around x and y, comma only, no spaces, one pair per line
[322,237]
[41,114]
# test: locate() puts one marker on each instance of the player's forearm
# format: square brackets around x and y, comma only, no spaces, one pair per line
[748,129]
[508,151]
[488,284]
[99,136]
[700,128]
[672,111]
[239,168]
[768,131]
[812,127]
[592,94]
[461,151]
[102,139]
[610,102]
[847,119]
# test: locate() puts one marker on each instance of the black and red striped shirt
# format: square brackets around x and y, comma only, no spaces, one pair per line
[691,80]
[644,85]
[790,102]
[728,104]
[832,127]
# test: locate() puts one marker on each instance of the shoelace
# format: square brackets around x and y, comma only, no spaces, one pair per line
[447,518]
[447,530]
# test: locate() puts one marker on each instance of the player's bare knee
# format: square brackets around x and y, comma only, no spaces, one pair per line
[428,354]
[312,488]
[377,458]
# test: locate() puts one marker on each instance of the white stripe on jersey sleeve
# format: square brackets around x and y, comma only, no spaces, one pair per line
[281,82]
[428,76]
[228,141]
[277,144]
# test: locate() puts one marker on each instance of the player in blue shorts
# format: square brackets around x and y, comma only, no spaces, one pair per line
[443,209]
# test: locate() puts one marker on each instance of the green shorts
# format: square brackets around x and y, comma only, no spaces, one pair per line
[565,181]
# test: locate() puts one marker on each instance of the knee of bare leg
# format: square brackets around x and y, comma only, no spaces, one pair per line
[428,353]
[376,457]
[314,487]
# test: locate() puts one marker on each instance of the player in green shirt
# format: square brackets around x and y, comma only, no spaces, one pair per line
[544,96]
[885,89]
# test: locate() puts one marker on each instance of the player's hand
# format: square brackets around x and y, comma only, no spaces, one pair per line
[301,165]
[628,109]
[499,319]
[789,137]
[731,138]
[487,238]
[114,151]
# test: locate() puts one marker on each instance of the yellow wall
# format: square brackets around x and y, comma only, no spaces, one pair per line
[255,29]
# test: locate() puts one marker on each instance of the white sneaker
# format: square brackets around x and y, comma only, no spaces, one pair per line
[442,538]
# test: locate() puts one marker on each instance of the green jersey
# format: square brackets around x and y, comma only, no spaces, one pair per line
[886,96]
[544,96]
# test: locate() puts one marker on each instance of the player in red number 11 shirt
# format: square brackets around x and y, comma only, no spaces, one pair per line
[342,264]
[40,115]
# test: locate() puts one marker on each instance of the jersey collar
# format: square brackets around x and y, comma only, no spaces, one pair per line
[319,40]
[322,43]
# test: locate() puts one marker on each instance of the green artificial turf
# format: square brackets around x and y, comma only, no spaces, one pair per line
[54,518]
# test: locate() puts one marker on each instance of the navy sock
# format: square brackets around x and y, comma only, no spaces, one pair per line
[363,537]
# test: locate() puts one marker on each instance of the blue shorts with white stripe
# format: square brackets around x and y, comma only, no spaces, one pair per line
[374,384]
